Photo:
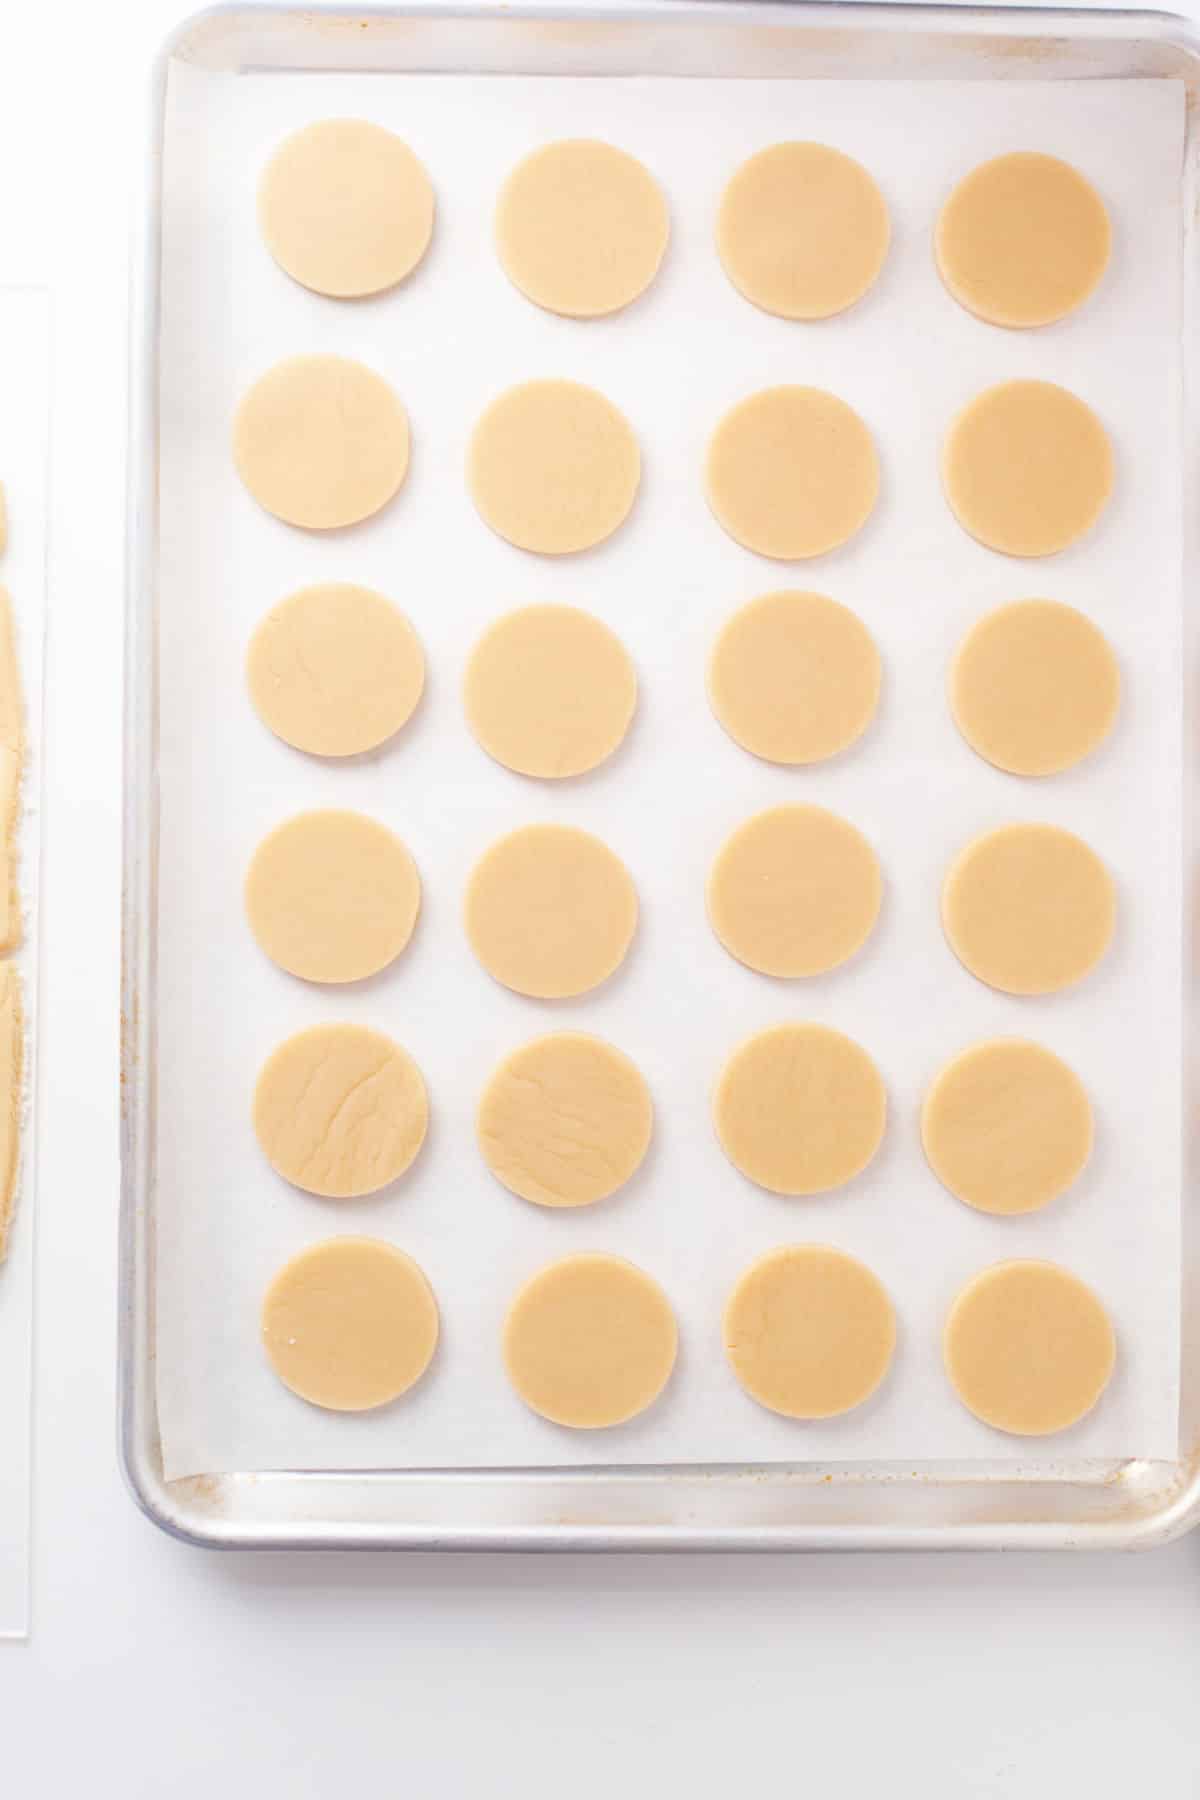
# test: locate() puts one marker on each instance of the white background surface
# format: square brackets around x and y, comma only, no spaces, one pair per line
[155,1668]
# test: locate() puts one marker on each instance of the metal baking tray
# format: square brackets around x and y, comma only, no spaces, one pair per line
[803,1505]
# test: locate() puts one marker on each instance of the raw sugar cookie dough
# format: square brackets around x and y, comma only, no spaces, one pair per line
[1007,1126]
[1034,687]
[565,1120]
[332,896]
[321,442]
[553,467]
[1027,468]
[12,769]
[581,227]
[809,1331]
[335,669]
[794,677]
[340,1110]
[345,208]
[792,473]
[1023,240]
[549,691]
[590,1341]
[1028,1347]
[800,1109]
[350,1324]
[802,230]
[1028,909]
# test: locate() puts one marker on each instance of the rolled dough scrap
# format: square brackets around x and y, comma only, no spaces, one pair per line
[12,1071]
[335,669]
[1023,240]
[1029,909]
[1007,1126]
[345,208]
[340,1110]
[350,1324]
[590,1341]
[12,768]
[1027,468]
[1028,1348]
[549,691]
[565,1120]
[794,891]
[792,472]
[581,227]
[800,1109]
[321,442]
[1034,687]
[809,1331]
[802,230]
[553,467]
[794,677]
[332,896]
[550,911]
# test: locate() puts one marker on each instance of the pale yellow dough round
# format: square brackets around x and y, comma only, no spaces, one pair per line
[340,1110]
[345,208]
[581,227]
[321,442]
[335,669]
[1027,468]
[565,1120]
[802,230]
[550,911]
[332,896]
[1023,240]
[1028,1347]
[809,1331]
[794,677]
[792,472]
[1007,1126]
[1028,909]
[590,1341]
[350,1324]
[794,891]
[553,467]
[549,691]
[800,1109]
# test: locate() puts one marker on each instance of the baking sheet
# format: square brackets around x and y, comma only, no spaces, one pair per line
[907,358]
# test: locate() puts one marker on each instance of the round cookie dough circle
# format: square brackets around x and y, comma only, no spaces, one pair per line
[550,911]
[332,896]
[802,230]
[809,1331]
[581,227]
[1028,1347]
[794,677]
[565,1120]
[345,208]
[335,669]
[340,1110]
[549,691]
[791,472]
[553,467]
[794,891]
[1027,468]
[590,1341]
[321,442]
[1023,240]
[800,1109]
[1034,687]
[1007,1126]
[1028,909]
[350,1324]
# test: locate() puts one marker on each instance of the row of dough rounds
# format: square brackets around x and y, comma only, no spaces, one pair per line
[346,209]
[590,1341]
[550,911]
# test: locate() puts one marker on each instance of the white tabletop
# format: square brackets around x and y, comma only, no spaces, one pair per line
[154,1668]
